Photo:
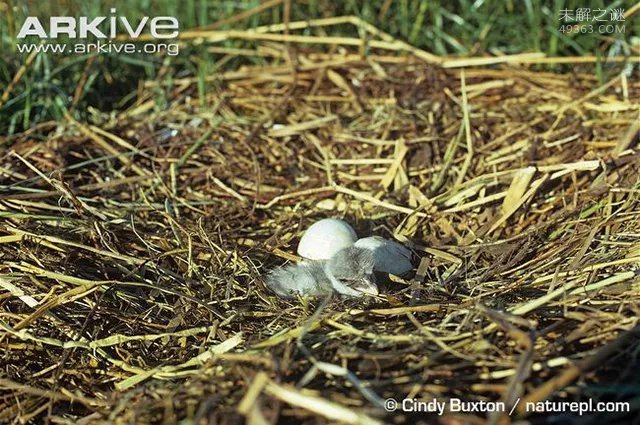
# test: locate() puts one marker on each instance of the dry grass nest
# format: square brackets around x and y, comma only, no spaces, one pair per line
[133,246]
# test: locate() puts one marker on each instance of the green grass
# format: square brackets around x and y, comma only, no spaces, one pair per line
[465,28]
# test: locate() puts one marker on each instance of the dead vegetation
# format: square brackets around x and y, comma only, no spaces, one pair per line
[132,248]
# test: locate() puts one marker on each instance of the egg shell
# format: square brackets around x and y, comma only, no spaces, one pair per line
[326,237]
[390,256]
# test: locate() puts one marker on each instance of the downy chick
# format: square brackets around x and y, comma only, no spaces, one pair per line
[349,273]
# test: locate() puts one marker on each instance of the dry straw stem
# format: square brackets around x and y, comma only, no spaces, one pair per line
[133,249]
[575,370]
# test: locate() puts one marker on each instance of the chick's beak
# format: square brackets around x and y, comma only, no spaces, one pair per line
[367,285]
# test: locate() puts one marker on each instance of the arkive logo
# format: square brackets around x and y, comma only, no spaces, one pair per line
[161,27]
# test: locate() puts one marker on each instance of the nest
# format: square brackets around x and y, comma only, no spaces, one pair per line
[133,248]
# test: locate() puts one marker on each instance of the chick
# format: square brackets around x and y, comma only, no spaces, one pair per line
[348,273]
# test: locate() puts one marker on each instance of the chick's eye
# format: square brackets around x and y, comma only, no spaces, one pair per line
[349,282]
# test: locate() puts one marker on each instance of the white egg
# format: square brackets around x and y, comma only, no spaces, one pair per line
[326,237]
[390,256]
